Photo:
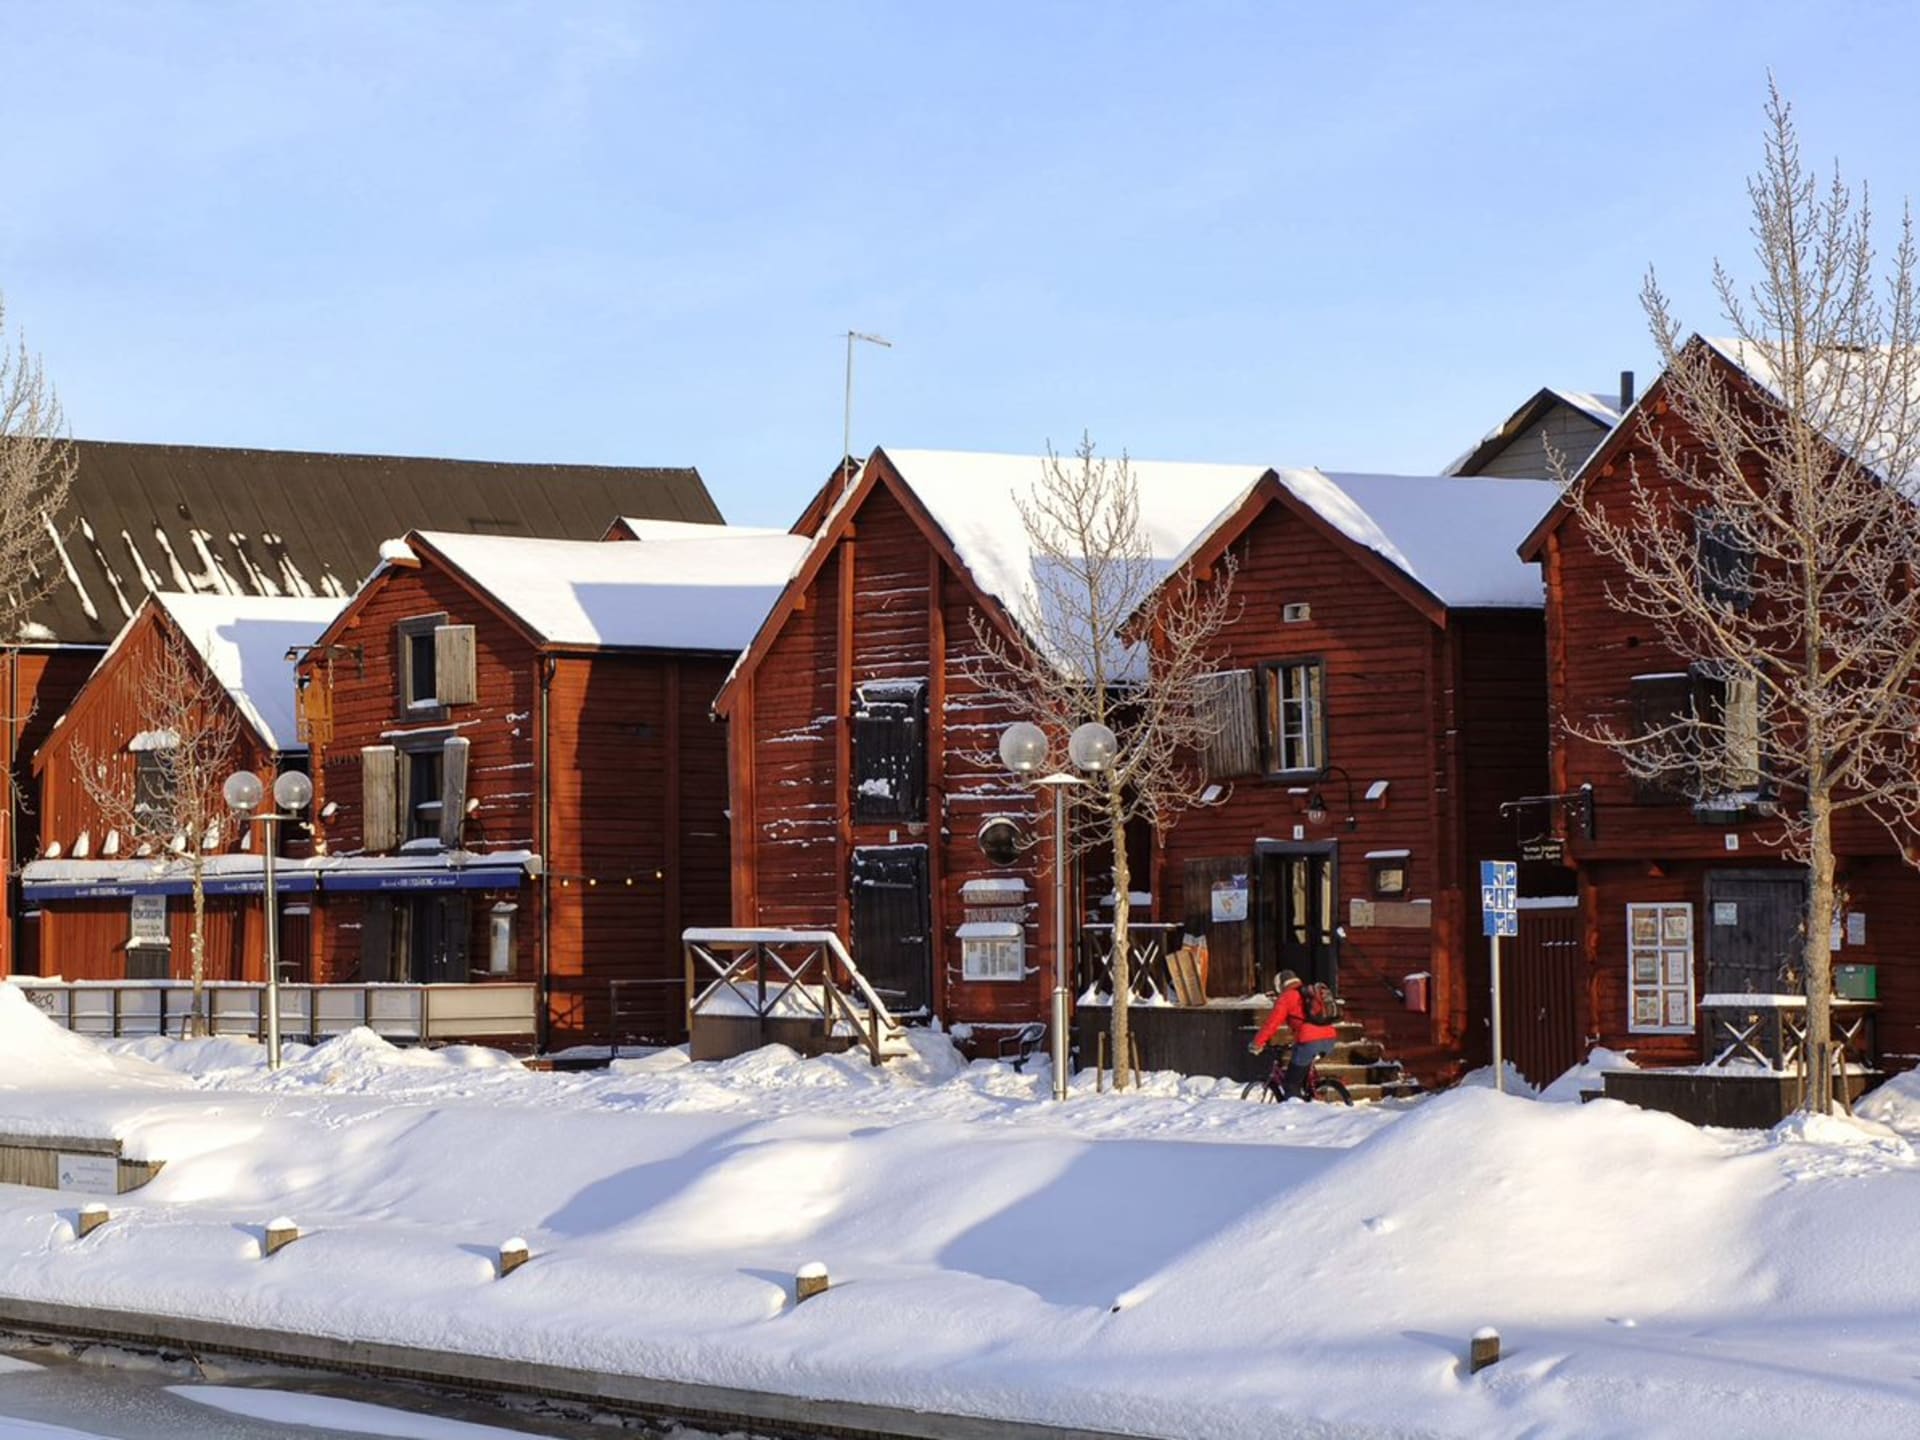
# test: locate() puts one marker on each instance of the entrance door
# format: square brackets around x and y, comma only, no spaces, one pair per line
[430,938]
[891,918]
[1297,911]
[1755,923]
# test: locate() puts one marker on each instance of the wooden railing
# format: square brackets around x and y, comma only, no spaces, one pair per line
[107,1009]
[785,974]
[1769,1033]
[1148,945]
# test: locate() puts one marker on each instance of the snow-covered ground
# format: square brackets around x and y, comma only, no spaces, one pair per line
[1174,1262]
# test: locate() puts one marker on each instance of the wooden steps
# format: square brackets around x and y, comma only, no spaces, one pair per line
[1360,1063]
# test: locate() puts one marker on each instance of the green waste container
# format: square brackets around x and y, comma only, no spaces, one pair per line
[1856,982]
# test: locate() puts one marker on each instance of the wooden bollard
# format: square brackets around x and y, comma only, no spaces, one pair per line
[809,1281]
[92,1217]
[513,1254]
[1485,1349]
[280,1234]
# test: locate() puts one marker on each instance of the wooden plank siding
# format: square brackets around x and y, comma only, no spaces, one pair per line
[884,606]
[501,727]
[638,847]
[1647,852]
[634,841]
[39,685]
[1450,717]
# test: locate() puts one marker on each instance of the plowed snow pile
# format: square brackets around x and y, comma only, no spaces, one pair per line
[1172,1262]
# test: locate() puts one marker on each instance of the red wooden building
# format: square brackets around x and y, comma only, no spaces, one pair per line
[266,523]
[106,906]
[1682,899]
[1382,693]
[515,768]
[863,746]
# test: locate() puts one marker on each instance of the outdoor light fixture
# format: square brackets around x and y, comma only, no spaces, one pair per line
[292,793]
[1092,747]
[1023,747]
[1317,801]
[1023,750]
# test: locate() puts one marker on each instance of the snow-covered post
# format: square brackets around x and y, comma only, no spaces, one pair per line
[808,1281]
[281,1232]
[513,1254]
[92,1217]
[1485,1349]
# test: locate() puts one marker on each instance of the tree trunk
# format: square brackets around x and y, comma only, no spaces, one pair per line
[1122,946]
[1819,956]
[197,1023]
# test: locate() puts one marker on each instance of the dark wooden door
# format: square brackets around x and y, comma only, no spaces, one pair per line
[434,941]
[1754,924]
[1232,970]
[1542,985]
[1299,908]
[891,918]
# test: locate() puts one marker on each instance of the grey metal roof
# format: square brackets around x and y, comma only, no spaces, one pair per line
[284,522]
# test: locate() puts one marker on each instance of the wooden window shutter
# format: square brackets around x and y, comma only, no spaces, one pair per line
[376,939]
[379,797]
[1664,703]
[453,790]
[1229,704]
[890,751]
[453,664]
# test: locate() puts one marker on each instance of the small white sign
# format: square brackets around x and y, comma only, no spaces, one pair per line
[149,920]
[1856,927]
[1230,899]
[1726,912]
[89,1174]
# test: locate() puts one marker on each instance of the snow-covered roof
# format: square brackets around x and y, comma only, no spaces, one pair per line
[643,529]
[974,497]
[244,640]
[660,595]
[1454,534]
[1843,390]
[1601,409]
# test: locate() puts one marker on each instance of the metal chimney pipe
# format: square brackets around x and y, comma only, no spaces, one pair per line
[1626,391]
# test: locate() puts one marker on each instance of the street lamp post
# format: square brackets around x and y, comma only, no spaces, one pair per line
[291,793]
[1023,750]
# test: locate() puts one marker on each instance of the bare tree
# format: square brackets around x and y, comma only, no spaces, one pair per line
[36,472]
[1109,638]
[1772,541]
[161,793]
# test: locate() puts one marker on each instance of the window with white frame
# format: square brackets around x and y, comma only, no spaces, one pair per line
[1660,969]
[993,950]
[1295,717]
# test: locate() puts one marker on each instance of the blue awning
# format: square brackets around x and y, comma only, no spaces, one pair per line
[286,882]
[439,877]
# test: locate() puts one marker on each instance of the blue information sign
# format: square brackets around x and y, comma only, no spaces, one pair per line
[1499,897]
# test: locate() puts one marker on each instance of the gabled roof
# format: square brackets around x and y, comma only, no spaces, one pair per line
[1603,410]
[1752,365]
[704,595]
[1449,538]
[288,523]
[975,500]
[243,640]
[967,503]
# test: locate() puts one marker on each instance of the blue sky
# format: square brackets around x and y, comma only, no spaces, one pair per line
[1353,236]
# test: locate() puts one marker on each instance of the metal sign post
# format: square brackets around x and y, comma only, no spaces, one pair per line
[1499,916]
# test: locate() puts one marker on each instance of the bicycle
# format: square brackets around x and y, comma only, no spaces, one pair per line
[1323,1088]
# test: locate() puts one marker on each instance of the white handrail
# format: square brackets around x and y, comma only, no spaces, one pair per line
[878,1017]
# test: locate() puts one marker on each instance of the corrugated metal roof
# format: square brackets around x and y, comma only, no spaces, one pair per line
[284,522]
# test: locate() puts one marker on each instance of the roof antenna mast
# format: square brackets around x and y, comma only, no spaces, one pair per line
[846,430]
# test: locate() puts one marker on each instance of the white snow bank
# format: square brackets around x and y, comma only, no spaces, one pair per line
[1570,1087]
[329,1412]
[1169,1262]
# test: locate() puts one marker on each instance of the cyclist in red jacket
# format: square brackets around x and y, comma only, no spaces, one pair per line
[1310,1041]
